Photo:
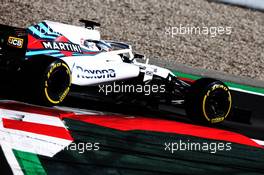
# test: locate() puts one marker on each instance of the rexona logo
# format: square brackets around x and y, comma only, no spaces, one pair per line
[16,42]
[63,46]
[95,74]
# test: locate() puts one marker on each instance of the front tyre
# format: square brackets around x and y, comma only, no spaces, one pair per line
[208,101]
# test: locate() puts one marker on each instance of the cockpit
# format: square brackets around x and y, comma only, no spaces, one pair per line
[93,45]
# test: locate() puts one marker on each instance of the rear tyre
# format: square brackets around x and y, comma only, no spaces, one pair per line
[49,80]
[208,101]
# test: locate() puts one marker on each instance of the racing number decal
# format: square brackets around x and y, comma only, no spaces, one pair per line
[220,118]
[15,42]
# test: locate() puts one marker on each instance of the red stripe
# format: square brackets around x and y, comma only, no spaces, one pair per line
[62,39]
[159,125]
[34,109]
[187,80]
[34,43]
[36,128]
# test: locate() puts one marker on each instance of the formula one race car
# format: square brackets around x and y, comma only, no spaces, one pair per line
[51,59]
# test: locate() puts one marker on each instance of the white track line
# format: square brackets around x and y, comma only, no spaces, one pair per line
[11,159]
[260,142]
[246,91]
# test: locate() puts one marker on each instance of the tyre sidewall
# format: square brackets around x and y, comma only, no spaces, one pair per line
[44,83]
[210,89]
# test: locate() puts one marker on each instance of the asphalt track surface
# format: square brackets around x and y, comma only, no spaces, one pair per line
[254,129]
[142,152]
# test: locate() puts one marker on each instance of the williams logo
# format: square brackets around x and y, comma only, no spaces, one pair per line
[62,46]
[15,42]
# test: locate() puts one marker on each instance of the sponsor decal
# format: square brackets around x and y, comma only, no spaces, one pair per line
[95,73]
[15,42]
[62,46]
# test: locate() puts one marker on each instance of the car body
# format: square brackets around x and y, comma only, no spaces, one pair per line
[53,56]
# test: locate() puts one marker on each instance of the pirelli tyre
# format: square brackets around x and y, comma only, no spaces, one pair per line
[208,101]
[49,80]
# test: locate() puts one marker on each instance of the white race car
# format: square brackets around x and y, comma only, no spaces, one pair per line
[49,59]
